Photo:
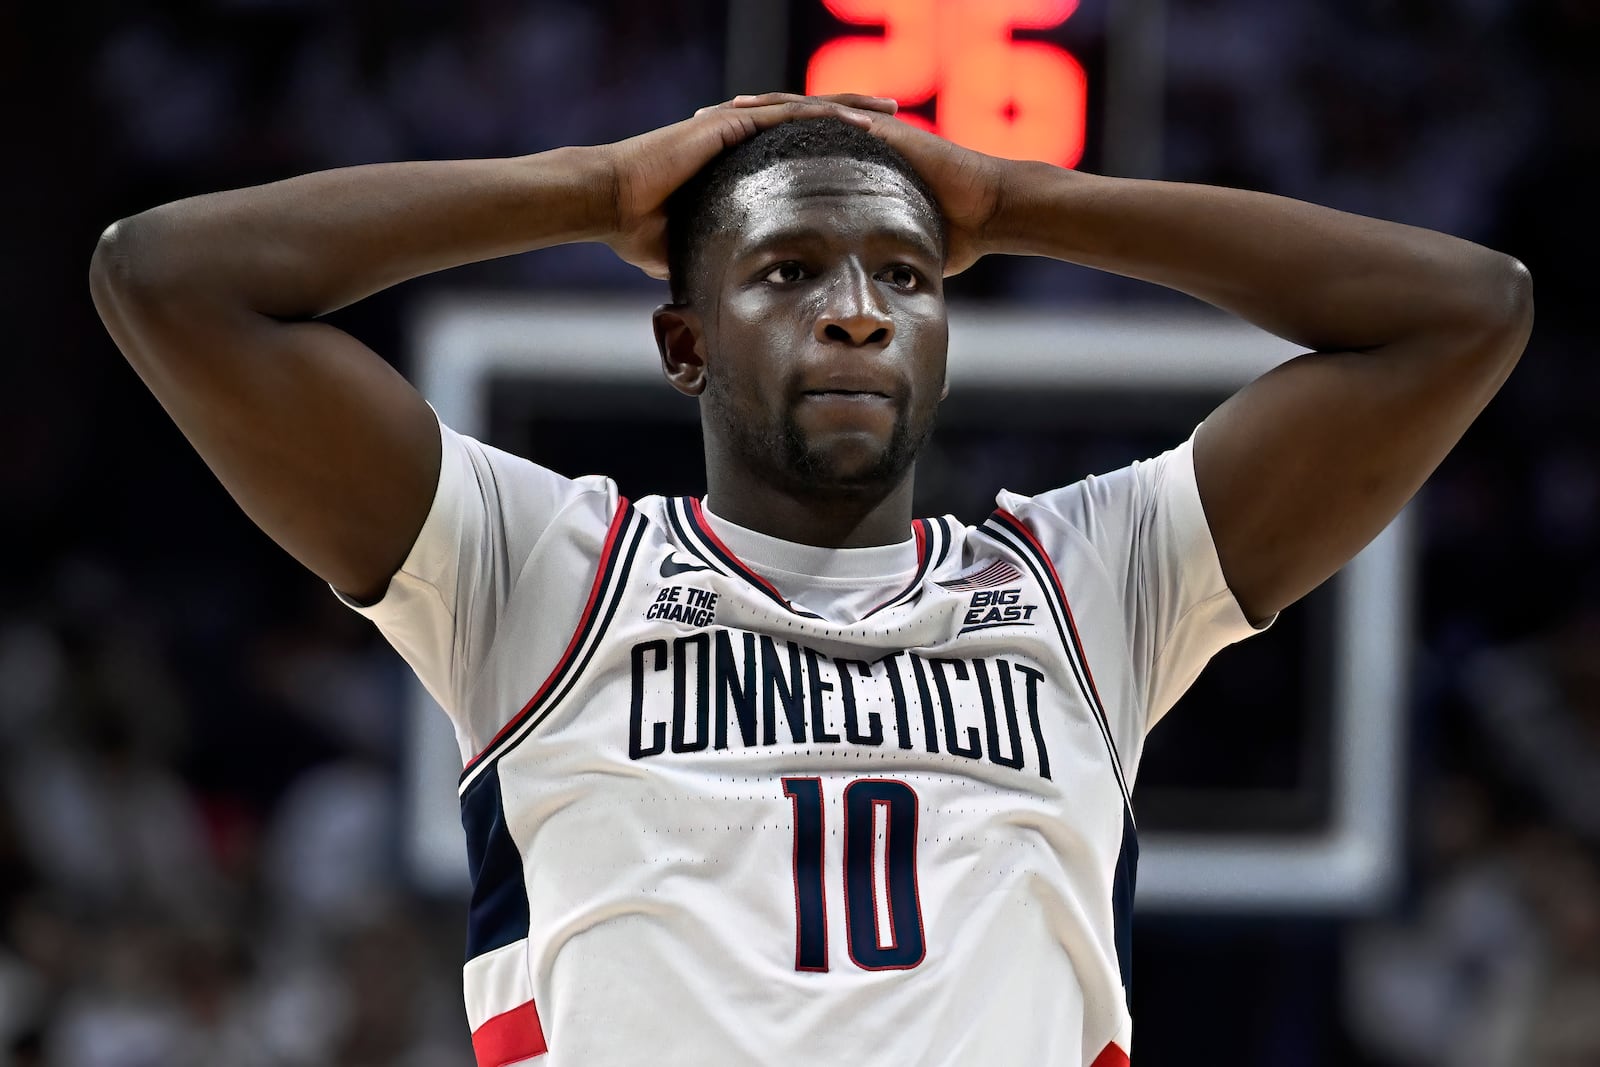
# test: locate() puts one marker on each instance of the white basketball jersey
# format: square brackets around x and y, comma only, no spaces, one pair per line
[832,807]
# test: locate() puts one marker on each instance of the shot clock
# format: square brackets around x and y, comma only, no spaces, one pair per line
[999,76]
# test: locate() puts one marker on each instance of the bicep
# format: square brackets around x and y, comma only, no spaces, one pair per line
[1302,468]
[323,444]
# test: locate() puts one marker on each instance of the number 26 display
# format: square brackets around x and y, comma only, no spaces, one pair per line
[1022,99]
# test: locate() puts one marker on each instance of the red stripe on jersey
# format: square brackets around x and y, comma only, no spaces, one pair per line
[512,1037]
[572,645]
[1111,1056]
[705,530]
[919,528]
[744,570]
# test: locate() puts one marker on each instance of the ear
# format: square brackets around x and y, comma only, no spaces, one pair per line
[681,341]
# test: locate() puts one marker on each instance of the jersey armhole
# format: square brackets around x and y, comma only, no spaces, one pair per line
[622,540]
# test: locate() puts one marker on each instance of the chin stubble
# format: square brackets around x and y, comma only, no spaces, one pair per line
[811,468]
[784,454]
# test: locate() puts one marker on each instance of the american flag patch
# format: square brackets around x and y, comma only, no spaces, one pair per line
[990,575]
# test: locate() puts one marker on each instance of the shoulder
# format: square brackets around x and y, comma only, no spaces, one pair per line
[519,499]
[1114,505]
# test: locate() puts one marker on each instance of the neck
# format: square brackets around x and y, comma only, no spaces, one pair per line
[861,518]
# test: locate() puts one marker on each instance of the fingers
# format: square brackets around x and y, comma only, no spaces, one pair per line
[859,101]
[799,107]
[744,116]
[739,122]
[881,104]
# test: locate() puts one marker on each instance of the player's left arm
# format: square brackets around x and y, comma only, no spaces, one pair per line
[1411,332]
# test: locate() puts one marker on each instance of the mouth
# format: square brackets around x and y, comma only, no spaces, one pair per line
[852,394]
[841,400]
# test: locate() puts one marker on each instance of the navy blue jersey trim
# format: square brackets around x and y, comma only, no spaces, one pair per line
[498,914]
[949,541]
[680,529]
[1008,531]
[721,556]
[1122,893]
[616,600]
[684,514]
[610,585]
[927,535]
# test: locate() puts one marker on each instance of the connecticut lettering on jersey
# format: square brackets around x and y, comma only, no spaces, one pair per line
[723,688]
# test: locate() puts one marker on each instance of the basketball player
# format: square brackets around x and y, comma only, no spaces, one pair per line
[782,774]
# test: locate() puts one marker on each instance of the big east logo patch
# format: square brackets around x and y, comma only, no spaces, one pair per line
[997,607]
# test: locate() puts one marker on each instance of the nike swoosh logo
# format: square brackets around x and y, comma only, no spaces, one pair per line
[671,568]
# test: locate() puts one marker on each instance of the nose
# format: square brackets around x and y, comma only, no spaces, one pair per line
[855,313]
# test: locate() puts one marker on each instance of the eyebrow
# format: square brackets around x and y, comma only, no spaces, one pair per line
[795,235]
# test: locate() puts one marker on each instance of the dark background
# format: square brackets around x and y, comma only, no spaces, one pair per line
[199,823]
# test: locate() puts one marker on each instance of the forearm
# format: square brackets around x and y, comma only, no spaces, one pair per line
[302,247]
[1321,278]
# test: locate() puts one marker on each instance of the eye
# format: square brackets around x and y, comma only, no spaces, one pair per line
[785,273]
[903,277]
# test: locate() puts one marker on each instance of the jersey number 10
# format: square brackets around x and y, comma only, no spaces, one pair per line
[883,913]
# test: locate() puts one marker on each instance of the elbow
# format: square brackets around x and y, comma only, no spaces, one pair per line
[1507,303]
[108,267]
[127,263]
[1514,300]
[113,275]
[1499,318]
[142,273]
[1510,305]
[139,288]
[152,254]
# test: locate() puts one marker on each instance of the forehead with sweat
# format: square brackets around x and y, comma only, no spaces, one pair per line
[794,158]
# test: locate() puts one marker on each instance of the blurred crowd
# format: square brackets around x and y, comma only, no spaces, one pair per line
[199,813]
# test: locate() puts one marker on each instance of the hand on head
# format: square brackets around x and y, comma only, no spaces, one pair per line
[646,169]
[967,184]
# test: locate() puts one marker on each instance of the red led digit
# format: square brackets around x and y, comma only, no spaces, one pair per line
[903,63]
[1019,99]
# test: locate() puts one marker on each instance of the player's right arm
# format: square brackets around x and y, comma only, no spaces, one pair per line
[214,301]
